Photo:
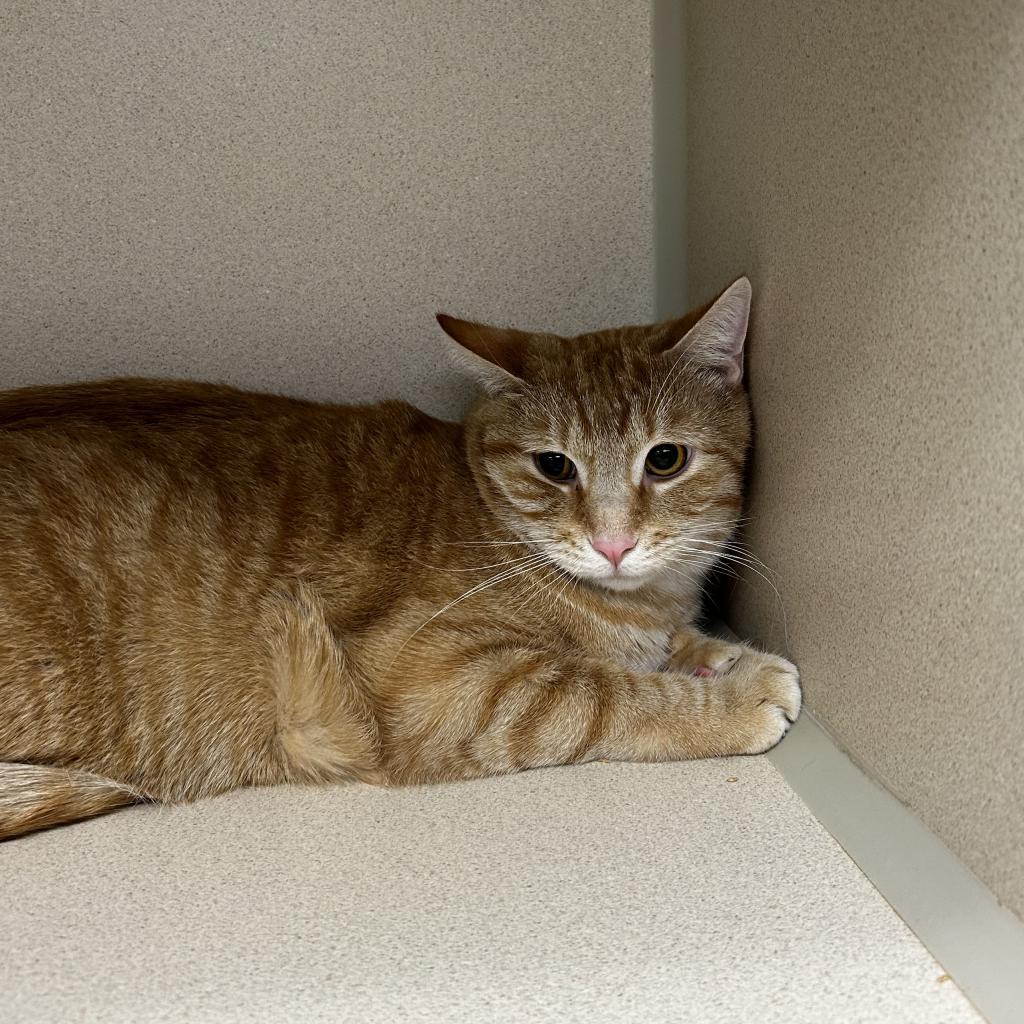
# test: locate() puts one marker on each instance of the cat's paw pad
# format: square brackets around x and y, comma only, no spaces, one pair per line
[764,701]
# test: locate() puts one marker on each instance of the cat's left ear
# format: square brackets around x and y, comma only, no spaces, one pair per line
[493,355]
[716,339]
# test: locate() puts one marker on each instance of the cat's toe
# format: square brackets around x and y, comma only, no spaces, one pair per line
[725,658]
[786,692]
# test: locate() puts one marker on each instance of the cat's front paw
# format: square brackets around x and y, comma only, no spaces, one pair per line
[763,700]
[704,656]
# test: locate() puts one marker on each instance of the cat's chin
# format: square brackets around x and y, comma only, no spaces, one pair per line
[619,583]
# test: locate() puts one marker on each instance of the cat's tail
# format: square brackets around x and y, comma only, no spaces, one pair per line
[37,796]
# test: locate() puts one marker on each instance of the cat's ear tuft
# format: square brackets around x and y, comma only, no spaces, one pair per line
[716,339]
[495,356]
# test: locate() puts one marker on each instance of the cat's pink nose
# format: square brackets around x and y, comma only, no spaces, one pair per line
[613,548]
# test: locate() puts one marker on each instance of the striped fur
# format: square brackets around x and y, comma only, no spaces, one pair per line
[202,588]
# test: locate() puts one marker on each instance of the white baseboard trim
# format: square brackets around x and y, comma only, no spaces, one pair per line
[979,943]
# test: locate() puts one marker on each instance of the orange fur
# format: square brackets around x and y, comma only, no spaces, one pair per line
[202,589]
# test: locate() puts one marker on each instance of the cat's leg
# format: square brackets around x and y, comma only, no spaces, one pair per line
[325,729]
[510,709]
[39,796]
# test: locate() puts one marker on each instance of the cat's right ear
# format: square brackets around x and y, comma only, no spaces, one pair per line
[715,340]
[493,355]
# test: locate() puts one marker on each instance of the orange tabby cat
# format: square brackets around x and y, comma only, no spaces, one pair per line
[202,589]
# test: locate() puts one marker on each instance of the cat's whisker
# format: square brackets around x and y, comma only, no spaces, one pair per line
[725,560]
[710,556]
[482,543]
[555,572]
[720,558]
[778,596]
[546,544]
[754,562]
[537,588]
[690,578]
[497,578]
[550,547]
[711,536]
[716,539]
[705,526]
[472,568]
[727,542]
[693,577]
[725,521]
[730,550]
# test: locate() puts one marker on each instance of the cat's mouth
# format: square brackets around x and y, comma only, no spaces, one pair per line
[622,577]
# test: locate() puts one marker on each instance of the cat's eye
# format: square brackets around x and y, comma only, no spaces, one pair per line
[556,466]
[665,460]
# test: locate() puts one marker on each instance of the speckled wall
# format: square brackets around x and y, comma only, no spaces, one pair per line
[281,195]
[863,162]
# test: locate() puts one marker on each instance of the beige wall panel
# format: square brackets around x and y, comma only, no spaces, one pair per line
[864,162]
[281,195]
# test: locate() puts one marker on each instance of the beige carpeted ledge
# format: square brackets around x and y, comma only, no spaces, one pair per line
[618,893]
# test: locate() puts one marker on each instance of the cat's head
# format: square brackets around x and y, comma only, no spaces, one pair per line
[618,454]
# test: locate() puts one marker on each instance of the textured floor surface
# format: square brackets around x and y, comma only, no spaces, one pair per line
[697,892]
